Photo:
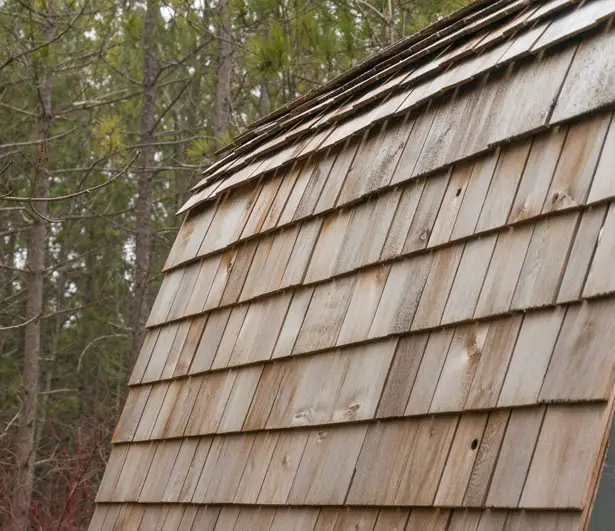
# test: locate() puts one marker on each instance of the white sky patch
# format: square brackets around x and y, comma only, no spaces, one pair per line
[168,13]
[71,288]
[129,255]
[20,258]
[70,322]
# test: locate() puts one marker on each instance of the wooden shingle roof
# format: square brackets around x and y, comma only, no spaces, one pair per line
[391,305]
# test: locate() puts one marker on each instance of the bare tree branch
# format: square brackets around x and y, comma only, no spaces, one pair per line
[20,325]
[6,167]
[37,142]
[76,194]
[10,423]
[55,38]
[91,343]
[57,391]
[17,109]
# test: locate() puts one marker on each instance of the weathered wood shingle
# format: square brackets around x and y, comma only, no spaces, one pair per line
[390,304]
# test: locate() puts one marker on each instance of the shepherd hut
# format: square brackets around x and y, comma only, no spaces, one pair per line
[391,304]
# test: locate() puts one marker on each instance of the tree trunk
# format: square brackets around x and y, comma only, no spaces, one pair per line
[183,179]
[391,24]
[143,206]
[263,100]
[8,247]
[222,117]
[25,454]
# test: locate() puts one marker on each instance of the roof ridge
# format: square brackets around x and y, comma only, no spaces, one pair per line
[363,68]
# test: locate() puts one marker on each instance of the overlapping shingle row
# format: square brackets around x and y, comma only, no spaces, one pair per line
[396,310]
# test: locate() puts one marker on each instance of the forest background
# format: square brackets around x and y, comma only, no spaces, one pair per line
[109,110]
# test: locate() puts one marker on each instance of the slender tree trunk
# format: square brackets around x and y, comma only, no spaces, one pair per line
[264,97]
[143,206]
[7,258]
[222,117]
[50,358]
[263,100]
[37,248]
[183,179]
[391,23]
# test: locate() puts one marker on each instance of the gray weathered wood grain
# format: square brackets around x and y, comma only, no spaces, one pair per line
[590,81]
[563,453]
[515,457]
[601,277]
[577,164]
